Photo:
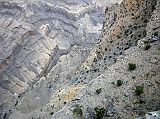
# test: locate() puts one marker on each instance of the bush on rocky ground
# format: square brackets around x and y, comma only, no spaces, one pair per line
[131,66]
[98,91]
[139,90]
[119,83]
[99,112]
[77,111]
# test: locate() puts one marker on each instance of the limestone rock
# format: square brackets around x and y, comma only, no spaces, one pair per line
[153,115]
[56,54]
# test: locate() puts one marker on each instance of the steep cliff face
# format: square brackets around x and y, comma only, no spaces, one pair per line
[33,36]
[121,75]
[124,25]
[30,34]
[49,66]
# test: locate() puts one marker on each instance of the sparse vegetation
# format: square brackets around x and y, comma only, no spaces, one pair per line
[94,60]
[156,34]
[112,83]
[146,42]
[119,83]
[99,112]
[98,91]
[51,113]
[133,77]
[131,66]
[139,90]
[141,101]
[147,47]
[78,111]
[95,70]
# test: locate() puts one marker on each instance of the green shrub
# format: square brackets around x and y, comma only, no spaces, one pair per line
[51,113]
[95,70]
[119,83]
[156,34]
[141,101]
[94,60]
[99,112]
[98,91]
[133,77]
[146,42]
[113,82]
[77,111]
[139,90]
[147,47]
[131,66]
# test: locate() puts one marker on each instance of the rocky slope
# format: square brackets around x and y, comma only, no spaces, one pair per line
[33,36]
[47,68]
[107,63]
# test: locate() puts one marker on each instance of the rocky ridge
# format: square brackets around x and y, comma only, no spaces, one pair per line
[74,77]
[36,36]
[107,63]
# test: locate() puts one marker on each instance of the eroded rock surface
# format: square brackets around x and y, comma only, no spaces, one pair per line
[108,63]
[36,36]
[54,55]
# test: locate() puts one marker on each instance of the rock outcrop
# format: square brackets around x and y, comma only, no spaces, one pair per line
[52,59]
[36,36]
[109,61]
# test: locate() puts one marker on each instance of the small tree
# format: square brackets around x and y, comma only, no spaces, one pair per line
[77,111]
[139,90]
[131,66]
[119,83]
[99,112]
[156,34]
[51,113]
[147,47]
[98,91]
